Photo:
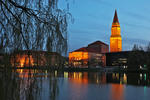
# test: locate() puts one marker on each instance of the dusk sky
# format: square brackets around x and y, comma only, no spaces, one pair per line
[93,20]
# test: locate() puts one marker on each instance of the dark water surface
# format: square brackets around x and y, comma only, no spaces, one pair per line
[45,85]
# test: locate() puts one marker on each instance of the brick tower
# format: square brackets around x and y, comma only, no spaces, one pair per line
[115,38]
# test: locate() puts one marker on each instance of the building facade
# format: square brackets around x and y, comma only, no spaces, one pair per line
[132,59]
[115,38]
[28,58]
[91,56]
[117,58]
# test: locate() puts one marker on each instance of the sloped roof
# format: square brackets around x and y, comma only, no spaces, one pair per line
[115,20]
[84,49]
[98,42]
[91,49]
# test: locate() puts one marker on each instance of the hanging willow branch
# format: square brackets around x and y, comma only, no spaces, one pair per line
[33,25]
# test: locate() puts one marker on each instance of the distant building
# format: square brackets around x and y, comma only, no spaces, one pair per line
[28,58]
[93,55]
[115,39]
[117,58]
[127,58]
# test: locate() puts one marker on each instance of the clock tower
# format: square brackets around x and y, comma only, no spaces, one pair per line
[115,38]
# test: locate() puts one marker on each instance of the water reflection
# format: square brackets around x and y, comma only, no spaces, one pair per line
[23,84]
[78,77]
[117,92]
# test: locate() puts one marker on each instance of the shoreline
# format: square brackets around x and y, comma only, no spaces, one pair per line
[113,70]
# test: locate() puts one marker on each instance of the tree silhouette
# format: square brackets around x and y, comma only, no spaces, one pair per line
[33,25]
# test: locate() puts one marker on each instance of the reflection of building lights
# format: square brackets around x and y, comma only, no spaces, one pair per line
[113,75]
[46,71]
[125,78]
[78,77]
[24,73]
[20,70]
[65,74]
[145,90]
[141,76]
[56,73]
[145,76]
[97,80]
[80,74]
[74,75]
[117,92]
[120,82]
[117,76]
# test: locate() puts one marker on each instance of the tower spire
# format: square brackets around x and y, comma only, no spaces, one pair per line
[115,18]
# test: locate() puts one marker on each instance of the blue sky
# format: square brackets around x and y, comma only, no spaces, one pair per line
[93,20]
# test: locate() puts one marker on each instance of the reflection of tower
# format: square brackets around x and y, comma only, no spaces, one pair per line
[115,39]
[117,92]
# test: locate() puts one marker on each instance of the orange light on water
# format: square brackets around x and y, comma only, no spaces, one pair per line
[78,77]
[117,92]
[25,73]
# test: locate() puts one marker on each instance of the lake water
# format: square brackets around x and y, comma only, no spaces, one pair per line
[46,85]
